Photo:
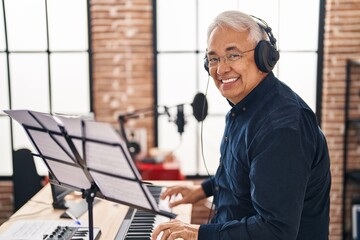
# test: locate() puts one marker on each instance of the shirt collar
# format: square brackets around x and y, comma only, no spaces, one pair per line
[255,95]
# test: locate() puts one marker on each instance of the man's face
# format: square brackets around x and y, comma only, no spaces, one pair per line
[235,75]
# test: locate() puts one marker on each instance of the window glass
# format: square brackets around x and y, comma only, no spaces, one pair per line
[268,11]
[70,32]
[208,9]
[170,140]
[213,128]
[26,25]
[176,25]
[302,82]
[299,32]
[70,83]
[4,93]
[176,86]
[29,81]
[60,84]
[2,30]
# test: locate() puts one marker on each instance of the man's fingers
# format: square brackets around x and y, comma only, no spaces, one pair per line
[176,202]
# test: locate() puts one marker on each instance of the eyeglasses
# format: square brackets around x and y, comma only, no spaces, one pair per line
[228,58]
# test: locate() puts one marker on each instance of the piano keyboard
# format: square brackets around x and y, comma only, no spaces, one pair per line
[71,233]
[139,224]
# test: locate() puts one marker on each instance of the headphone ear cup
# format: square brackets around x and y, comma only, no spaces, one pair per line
[206,65]
[265,56]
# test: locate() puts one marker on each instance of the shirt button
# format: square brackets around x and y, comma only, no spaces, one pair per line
[244,109]
[225,139]
[233,114]
[216,188]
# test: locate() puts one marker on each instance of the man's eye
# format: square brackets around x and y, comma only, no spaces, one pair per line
[213,60]
[234,56]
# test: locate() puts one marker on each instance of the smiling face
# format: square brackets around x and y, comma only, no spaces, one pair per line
[235,78]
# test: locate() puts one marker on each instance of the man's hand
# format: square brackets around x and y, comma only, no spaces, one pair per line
[175,229]
[190,194]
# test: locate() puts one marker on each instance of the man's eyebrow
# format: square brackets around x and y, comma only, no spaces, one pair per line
[231,48]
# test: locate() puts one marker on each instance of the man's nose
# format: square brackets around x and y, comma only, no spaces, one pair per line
[223,66]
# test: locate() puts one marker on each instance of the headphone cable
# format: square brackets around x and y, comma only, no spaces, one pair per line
[202,127]
[202,148]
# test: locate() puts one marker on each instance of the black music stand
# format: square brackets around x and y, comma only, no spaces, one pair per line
[89,157]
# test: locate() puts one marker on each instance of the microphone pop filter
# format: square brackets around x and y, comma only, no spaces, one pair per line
[200,107]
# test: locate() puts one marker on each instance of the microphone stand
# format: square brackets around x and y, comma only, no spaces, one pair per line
[140,113]
[199,106]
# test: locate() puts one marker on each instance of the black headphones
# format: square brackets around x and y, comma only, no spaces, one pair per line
[266,54]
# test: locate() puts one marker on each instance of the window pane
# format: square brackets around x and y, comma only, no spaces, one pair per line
[70,83]
[70,32]
[303,82]
[26,24]
[29,81]
[5,147]
[4,96]
[184,148]
[208,9]
[2,30]
[174,86]
[299,32]
[176,25]
[213,129]
[268,11]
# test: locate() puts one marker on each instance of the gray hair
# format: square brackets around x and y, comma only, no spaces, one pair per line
[240,22]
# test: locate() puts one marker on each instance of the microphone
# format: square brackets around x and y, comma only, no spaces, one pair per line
[200,107]
[180,120]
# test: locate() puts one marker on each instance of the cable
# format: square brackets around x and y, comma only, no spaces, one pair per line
[202,148]
[202,127]
[29,214]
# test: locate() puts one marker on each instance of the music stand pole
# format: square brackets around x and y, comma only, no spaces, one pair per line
[89,195]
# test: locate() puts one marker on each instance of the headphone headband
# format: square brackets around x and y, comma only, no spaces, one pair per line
[266,54]
[266,28]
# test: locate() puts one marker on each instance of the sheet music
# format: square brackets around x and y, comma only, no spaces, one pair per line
[97,153]
[32,229]
[48,147]
[71,124]
[23,117]
[74,130]
[46,144]
[70,175]
[48,121]
[124,190]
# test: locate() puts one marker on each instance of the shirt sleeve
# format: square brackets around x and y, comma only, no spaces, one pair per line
[207,186]
[279,171]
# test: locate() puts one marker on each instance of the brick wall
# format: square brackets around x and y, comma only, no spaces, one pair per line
[6,200]
[122,61]
[342,42]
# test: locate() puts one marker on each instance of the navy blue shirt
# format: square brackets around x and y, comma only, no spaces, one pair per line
[273,179]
